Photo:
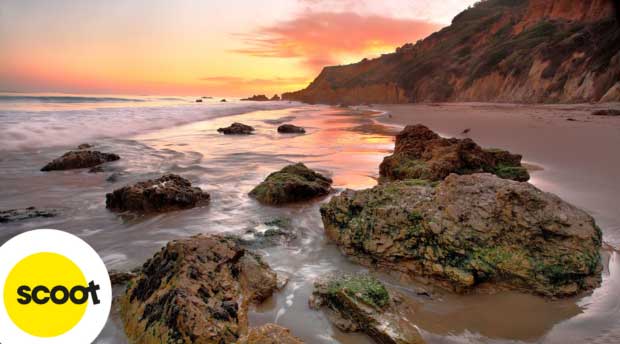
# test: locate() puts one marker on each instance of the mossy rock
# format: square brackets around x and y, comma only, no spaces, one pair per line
[420,153]
[469,230]
[365,288]
[294,183]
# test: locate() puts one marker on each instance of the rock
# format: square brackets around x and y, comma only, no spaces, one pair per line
[223,101]
[96,169]
[257,98]
[269,334]
[114,177]
[85,146]
[22,214]
[79,159]
[270,233]
[293,183]
[468,230]
[275,97]
[291,129]
[195,290]
[608,112]
[236,129]
[121,277]
[170,192]
[361,303]
[422,154]
[198,100]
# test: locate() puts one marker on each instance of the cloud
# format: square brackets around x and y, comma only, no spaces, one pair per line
[325,38]
[248,82]
[426,10]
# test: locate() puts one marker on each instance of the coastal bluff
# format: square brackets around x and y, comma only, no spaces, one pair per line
[525,51]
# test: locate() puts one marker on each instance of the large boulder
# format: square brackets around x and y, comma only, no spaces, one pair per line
[361,303]
[468,230]
[269,334]
[236,129]
[293,183]
[79,159]
[195,290]
[290,129]
[420,153]
[170,192]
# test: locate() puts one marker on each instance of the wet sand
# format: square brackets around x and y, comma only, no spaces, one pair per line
[348,145]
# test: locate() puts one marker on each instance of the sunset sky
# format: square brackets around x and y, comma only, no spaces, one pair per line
[207,47]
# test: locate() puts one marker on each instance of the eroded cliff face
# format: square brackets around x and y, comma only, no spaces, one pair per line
[536,51]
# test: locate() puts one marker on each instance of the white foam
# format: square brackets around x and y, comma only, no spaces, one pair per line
[37,129]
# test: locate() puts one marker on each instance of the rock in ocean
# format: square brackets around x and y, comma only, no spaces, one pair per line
[420,153]
[468,230]
[170,192]
[293,183]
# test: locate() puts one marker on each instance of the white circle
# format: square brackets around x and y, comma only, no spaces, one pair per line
[82,255]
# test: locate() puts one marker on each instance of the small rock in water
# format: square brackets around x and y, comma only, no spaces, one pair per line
[420,153]
[198,100]
[293,183]
[236,129]
[608,112]
[269,334]
[195,290]
[468,230]
[121,277]
[223,101]
[96,169]
[85,146]
[22,214]
[170,192]
[257,98]
[361,303]
[291,129]
[79,159]
[114,177]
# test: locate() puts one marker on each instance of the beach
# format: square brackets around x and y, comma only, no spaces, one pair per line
[573,159]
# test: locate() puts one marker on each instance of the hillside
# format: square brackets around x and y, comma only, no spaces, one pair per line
[536,51]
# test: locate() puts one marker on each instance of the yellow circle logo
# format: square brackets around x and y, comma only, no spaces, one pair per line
[46,294]
[54,288]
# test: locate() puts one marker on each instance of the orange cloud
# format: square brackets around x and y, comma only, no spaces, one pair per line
[326,38]
[233,80]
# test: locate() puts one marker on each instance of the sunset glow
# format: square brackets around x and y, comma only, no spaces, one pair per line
[199,47]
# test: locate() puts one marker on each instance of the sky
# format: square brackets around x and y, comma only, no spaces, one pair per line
[200,47]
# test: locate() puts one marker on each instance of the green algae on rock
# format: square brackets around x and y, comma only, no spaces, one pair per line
[293,183]
[420,153]
[469,230]
[195,290]
[361,303]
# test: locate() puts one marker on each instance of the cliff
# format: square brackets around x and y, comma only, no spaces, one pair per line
[531,51]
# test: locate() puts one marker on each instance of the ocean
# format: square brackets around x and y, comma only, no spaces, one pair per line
[155,135]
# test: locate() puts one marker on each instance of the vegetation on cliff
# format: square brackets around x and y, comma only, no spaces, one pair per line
[498,50]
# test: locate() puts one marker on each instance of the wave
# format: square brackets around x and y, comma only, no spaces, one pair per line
[66,99]
[24,130]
